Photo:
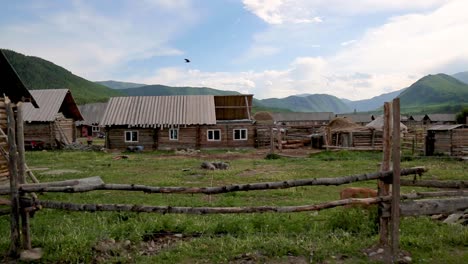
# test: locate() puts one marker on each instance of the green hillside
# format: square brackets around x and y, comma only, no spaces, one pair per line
[37,73]
[310,103]
[461,76]
[157,89]
[120,85]
[435,93]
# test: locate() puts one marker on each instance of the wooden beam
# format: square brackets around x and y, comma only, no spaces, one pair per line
[435,183]
[382,187]
[247,107]
[433,206]
[15,242]
[395,220]
[54,186]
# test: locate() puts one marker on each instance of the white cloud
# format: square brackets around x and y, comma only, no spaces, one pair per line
[281,11]
[308,11]
[89,42]
[348,42]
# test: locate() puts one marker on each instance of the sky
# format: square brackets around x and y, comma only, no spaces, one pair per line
[270,48]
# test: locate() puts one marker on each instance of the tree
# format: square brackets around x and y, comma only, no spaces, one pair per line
[461,117]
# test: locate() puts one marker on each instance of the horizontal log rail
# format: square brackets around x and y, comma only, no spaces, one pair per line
[435,184]
[235,210]
[44,187]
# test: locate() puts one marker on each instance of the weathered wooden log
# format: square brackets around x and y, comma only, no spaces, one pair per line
[206,210]
[431,207]
[435,183]
[422,195]
[52,187]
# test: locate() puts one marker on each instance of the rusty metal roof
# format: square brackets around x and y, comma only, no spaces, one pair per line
[11,84]
[92,113]
[160,111]
[51,102]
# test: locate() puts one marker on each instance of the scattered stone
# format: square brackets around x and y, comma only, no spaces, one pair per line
[215,165]
[83,147]
[438,217]
[31,254]
[408,259]
[207,166]
[453,218]
[380,251]
[187,152]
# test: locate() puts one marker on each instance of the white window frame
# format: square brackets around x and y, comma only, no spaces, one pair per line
[240,133]
[95,129]
[171,135]
[213,133]
[131,136]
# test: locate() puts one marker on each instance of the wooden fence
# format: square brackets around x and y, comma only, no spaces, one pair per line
[21,205]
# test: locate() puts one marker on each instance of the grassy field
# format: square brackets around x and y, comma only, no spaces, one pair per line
[331,236]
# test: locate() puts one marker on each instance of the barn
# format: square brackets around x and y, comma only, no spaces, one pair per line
[447,139]
[52,125]
[11,89]
[179,122]
[92,115]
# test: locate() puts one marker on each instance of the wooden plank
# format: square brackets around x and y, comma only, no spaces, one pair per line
[383,188]
[433,206]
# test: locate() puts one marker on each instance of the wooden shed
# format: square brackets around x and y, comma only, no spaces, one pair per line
[53,123]
[13,90]
[179,122]
[342,133]
[447,139]
[361,119]
[91,124]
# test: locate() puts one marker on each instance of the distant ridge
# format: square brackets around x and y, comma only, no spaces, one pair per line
[120,85]
[461,76]
[157,89]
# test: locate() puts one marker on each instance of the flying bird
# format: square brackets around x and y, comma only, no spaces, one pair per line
[187,60]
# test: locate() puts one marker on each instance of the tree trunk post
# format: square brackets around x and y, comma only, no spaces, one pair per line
[396,180]
[25,229]
[15,242]
[383,188]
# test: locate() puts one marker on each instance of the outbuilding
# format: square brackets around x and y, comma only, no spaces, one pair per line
[447,139]
[52,125]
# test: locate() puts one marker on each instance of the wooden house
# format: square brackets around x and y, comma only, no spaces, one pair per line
[12,89]
[53,123]
[447,139]
[91,124]
[179,122]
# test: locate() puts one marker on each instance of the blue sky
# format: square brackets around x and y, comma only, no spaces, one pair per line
[271,48]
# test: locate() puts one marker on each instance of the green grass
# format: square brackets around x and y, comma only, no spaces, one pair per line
[71,236]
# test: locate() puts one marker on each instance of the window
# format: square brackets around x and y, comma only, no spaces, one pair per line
[214,135]
[174,134]
[240,134]
[96,129]
[131,136]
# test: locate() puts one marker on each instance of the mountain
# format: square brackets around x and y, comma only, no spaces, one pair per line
[119,85]
[435,93]
[37,73]
[158,89]
[461,76]
[310,103]
[372,103]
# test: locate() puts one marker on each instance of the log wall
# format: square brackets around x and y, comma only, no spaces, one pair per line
[67,127]
[227,136]
[451,142]
[187,139]
[43,132]
[116,138]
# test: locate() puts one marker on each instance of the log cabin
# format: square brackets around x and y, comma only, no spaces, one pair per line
[12,89]
[179,122]
[52,125]
[92,115]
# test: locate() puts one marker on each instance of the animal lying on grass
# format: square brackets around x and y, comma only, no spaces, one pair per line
[357,192]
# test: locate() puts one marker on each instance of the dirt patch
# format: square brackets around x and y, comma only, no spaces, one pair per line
[151,244]
[59,172]
[258,257]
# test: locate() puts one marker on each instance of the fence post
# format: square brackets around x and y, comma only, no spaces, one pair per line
[13,163]
[272,141]
[396,180]
[25,229]
[383,187]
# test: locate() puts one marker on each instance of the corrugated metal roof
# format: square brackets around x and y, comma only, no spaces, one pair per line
[358,118]
[441,117]
[92,113]
[11,84]
[157,111]
[298,116]
[50,103]
[446,127]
